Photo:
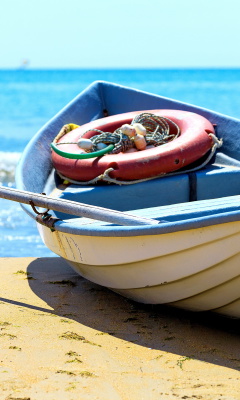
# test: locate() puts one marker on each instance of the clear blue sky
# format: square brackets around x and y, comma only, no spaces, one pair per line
[118,34]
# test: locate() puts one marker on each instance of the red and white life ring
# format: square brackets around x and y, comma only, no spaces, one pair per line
[193,143]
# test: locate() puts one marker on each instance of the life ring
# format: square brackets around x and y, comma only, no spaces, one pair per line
[192,144]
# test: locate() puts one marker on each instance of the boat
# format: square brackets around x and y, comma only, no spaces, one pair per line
[171,239]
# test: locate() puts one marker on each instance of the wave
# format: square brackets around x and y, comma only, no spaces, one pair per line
[8,163]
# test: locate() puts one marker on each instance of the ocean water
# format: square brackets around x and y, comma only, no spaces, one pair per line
[29,98]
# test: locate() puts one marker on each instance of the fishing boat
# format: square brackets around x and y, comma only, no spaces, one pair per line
[164,237]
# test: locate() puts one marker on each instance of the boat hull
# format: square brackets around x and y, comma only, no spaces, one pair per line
[196,269]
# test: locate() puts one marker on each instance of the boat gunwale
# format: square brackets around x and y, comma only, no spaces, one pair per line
[110,230]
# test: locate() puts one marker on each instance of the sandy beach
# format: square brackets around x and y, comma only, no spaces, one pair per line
[63,337]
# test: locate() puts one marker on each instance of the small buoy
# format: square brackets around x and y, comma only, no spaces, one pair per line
[85,144]
[128,130]
[101,146]
[140,129]
[140,142]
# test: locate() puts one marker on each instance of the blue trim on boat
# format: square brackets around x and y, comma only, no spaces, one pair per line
[181,217]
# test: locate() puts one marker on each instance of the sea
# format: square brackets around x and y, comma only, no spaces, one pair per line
[29,98]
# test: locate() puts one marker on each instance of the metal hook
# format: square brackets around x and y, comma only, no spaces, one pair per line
[44,213]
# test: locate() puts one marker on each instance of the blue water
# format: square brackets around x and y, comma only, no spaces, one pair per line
[29,98]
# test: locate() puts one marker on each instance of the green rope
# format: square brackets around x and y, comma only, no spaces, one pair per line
[81,156]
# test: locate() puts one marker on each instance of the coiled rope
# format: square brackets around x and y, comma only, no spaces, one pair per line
[157,133]
[158,128]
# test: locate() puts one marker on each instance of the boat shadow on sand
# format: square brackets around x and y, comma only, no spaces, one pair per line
[206,336]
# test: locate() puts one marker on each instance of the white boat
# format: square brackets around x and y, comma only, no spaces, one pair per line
[171,240]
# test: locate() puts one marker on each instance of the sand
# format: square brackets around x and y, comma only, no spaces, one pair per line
[63,337]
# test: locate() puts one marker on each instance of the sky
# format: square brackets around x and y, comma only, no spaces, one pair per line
[119,34]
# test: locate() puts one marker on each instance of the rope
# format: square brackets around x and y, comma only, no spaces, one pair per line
[157,133]
[217,143]
[158,128]
[64,130]
[121,141]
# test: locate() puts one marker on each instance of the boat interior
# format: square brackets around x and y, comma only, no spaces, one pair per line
[218,179]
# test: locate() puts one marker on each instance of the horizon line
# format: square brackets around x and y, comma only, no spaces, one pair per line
[28,68]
